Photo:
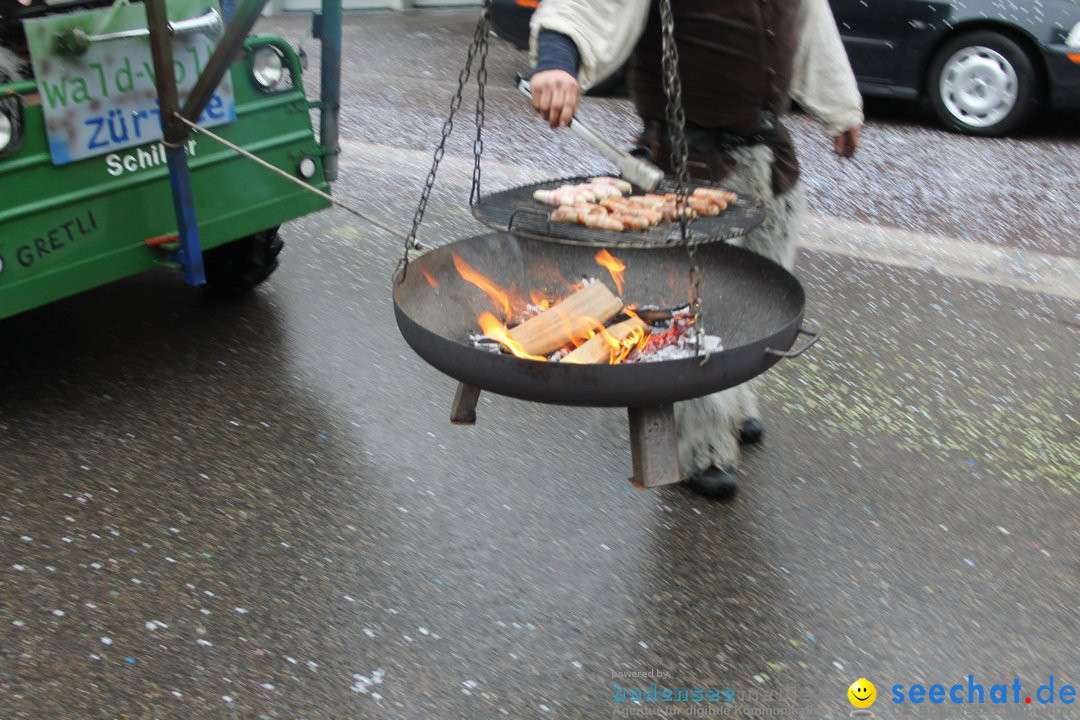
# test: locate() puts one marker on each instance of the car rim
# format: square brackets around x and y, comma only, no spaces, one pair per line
[979,86]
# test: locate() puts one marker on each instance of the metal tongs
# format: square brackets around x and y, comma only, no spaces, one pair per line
[634,170]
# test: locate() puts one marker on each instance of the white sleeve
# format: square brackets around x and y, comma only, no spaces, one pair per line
[822,81]
[605,32]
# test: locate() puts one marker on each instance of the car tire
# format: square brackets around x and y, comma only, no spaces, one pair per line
[983,83]
[239,266]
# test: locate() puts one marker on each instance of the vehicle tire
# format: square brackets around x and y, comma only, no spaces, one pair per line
[983,83]
[237,267]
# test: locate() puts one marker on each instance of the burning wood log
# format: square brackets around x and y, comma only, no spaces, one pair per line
[597,349]
[569,321]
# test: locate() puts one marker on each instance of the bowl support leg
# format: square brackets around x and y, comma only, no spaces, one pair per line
[652,446]
[463,411]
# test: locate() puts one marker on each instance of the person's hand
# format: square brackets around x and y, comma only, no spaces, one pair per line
[846,143]
[555,95]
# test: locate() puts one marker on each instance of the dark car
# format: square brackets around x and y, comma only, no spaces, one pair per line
[984,65]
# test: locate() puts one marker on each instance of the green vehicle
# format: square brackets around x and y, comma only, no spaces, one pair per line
[90,192]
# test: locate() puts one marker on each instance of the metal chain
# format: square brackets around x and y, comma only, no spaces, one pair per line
[481,82]
[479,42]
[676,130]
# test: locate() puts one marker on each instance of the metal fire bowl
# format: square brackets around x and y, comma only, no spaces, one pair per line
[752,304]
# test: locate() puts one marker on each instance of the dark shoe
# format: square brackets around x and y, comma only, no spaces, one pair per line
[750,431]
[714,483]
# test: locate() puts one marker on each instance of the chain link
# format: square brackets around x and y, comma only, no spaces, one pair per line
[481,82]
[676,131]
[479,45]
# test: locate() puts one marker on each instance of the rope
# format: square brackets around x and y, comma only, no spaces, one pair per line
[295,180]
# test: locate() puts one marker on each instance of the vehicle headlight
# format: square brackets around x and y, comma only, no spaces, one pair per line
[307,168]
[7,131]
[267,67]
[1073,40]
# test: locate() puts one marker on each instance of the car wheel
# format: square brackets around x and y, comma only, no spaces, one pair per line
[237,267]
[983,83]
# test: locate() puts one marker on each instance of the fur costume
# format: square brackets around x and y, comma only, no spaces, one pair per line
[707,428]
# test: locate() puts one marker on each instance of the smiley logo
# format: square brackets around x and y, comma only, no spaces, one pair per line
[862,693]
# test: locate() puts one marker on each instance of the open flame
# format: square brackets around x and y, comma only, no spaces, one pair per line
[431,281]
[538,300]
[497,331]
[500,298]
[566,311]
[614,265]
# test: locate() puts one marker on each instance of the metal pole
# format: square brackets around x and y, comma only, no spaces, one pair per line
[330,97]
[221,59]
[175,135]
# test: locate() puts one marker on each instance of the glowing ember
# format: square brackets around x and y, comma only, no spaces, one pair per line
[614,265]
[431,281]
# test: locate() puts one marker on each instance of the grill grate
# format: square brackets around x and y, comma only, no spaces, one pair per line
[516,211]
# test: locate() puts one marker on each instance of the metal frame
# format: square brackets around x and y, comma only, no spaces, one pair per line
[239,20]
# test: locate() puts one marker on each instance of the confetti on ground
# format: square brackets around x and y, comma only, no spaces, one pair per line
[363,684]
[242,611]
[838,665]
[642,644]
[58,613]
[18,568]
[544,707]
[226,698]
[177,693]
[576,664]
[312,664]
[423,631]
[1003,531]
[18,623]
[204,643]
[369,633]
[291,661]
[106,641]
[969,561]
[267,686]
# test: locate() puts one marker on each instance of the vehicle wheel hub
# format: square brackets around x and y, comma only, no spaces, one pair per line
[979,86]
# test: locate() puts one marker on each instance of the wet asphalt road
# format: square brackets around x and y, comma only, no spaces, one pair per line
[259,509]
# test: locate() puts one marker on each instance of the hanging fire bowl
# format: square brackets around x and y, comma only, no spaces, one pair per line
[751,303]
